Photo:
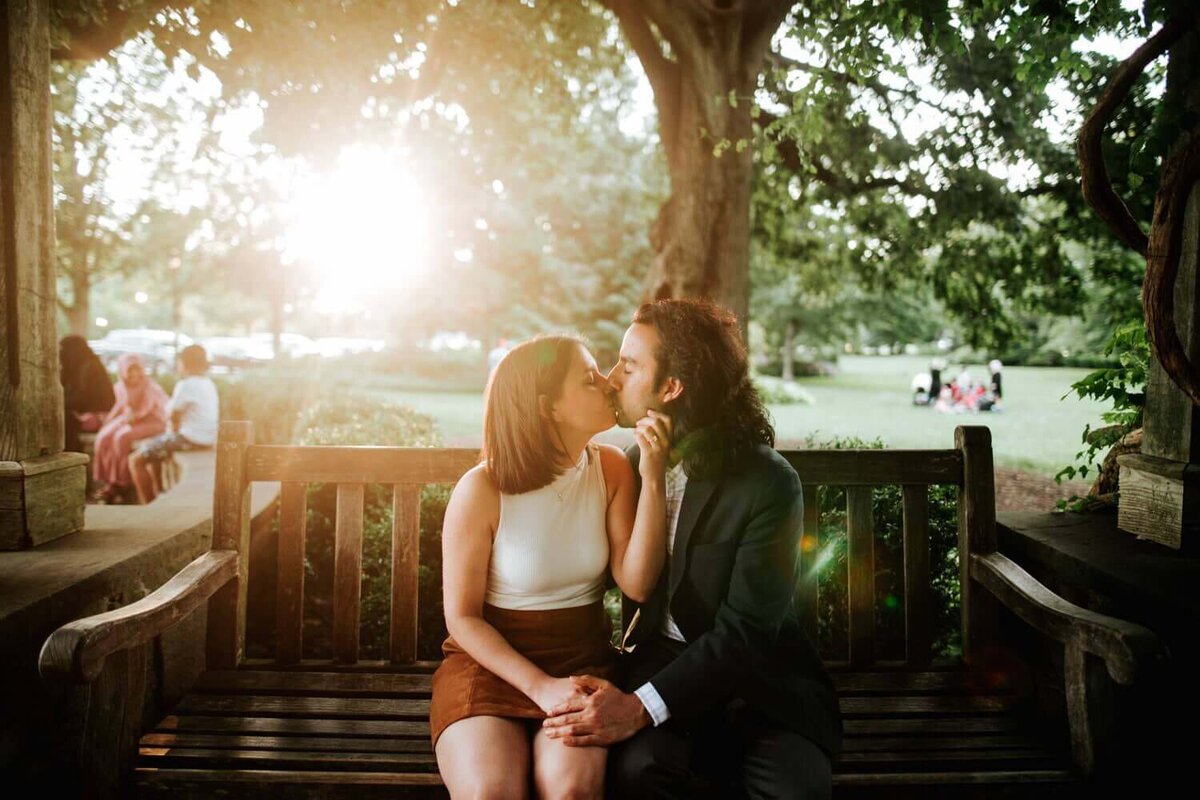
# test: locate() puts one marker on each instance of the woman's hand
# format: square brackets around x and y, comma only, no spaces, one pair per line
[653,435]
[552,692]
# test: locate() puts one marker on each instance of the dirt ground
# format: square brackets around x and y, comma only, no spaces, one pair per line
[1026,491]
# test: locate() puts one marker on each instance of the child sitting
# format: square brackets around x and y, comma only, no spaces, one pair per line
[193,411]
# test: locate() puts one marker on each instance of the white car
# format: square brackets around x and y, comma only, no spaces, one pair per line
[293,345]
[156,347]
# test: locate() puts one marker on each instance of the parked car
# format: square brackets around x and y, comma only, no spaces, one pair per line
[236,352]
[156,347]
[293,345]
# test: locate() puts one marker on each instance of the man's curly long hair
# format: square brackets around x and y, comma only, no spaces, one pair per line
[720,416]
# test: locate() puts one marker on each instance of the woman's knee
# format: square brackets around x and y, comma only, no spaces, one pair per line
[480,787]
[575,780]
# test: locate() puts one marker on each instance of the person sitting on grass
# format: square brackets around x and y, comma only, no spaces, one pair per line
[193,410]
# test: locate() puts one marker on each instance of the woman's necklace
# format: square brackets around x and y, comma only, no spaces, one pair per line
[573,472]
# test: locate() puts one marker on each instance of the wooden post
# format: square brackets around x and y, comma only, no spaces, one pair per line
[1160,488]
[113,724]
[406,558]
[41,488]
[231,531]
[976,534]
[918,590]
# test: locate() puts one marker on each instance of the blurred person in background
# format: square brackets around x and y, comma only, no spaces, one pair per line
[140,412]
[194,410]
[87,391]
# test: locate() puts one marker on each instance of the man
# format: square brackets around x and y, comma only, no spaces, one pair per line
[193,412]
[721,684]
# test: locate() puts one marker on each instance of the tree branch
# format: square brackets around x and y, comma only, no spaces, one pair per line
[761,25]
[1164,252]
[847,187]
[881,89]
[662,73]
[98,37]
[1097,188]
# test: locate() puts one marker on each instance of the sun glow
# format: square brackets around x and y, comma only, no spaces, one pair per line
[362,227]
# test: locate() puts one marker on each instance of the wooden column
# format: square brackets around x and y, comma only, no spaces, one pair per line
[1160,487]
[976,536]
[41,488]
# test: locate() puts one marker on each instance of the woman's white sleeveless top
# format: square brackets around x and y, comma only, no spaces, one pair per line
[551,547]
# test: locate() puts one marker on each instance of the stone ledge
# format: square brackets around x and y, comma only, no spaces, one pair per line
[1089,561]
[116,544]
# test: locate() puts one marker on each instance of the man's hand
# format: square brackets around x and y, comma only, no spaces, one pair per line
[604,716]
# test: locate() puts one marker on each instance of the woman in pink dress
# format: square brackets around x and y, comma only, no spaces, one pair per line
[139,413]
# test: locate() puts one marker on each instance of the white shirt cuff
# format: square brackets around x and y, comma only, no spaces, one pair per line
[653,702]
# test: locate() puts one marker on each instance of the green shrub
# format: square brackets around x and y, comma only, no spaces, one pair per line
[776,391]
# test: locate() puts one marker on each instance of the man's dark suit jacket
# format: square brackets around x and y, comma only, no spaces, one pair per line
[730,583]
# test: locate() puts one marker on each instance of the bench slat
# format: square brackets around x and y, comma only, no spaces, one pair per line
[362,666]
[285,759]
[330,684]
[323,464]
[918,590]
[347,571]
[249,705]
[931,758]
[876,467]
[406,543]
[237,741]
[975,778]
[289,589]
[860,536]
[864,744]
[200,723]
[924,704]
[809,577]
[917,726]
[170,779]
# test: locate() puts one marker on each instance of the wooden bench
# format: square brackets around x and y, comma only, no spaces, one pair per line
[346,727]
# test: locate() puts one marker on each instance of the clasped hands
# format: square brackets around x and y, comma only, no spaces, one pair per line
[596,714]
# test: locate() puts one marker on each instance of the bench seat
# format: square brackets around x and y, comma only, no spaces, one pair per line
[365,731]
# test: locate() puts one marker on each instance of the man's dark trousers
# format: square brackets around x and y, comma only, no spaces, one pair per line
[733,752]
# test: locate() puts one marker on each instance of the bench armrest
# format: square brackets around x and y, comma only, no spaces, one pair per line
[77,650]
[1124,646]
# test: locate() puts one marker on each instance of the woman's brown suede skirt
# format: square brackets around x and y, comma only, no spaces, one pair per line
[560,641]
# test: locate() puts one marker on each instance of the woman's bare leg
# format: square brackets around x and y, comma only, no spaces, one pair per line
[567,773]
[485,757]
[143,481]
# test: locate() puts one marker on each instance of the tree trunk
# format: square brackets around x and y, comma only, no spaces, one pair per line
[78,312]
[704,93]
[789,351]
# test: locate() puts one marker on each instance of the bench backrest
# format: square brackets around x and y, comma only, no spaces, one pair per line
[968,466]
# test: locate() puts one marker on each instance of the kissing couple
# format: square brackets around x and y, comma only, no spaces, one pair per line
[715,690]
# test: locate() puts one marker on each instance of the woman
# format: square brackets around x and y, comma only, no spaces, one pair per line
[87,392]
[529,538]
[139,413]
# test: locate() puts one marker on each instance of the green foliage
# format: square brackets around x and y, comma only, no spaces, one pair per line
[887,507]
[920,149]
[1125,387]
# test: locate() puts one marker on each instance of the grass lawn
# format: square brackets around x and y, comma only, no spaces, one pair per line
[869,399]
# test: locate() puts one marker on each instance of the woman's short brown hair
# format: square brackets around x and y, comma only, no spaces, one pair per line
[520,449]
